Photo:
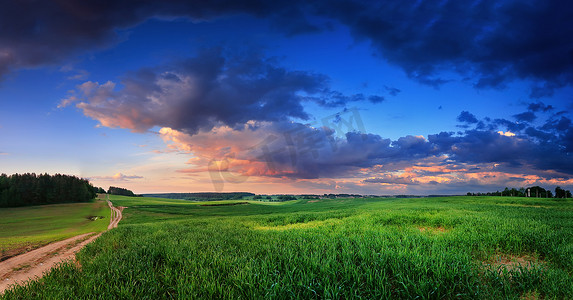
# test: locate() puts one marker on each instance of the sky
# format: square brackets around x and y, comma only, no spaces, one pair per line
[277,97]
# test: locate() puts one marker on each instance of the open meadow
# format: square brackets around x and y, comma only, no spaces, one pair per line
[29,227]
[430,248]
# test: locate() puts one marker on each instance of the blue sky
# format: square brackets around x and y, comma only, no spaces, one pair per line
[442,98]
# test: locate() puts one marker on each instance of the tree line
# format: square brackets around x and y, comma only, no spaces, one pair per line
[206,196]
[534,191]
[113,190]
[31,189]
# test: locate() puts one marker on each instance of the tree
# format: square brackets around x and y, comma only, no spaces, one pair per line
[560,193]
[537,191]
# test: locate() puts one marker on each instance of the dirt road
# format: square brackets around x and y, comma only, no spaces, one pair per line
[116,215]
[33,264]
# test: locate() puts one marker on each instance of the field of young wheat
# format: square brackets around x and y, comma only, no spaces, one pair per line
[429,248]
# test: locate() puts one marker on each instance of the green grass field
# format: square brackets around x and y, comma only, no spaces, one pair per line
[33,226]
[428,248]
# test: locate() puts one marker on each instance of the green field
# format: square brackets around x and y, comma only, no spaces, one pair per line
[428,248]
[24,228]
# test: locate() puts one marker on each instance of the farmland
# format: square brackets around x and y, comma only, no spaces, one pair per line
[448,247]
[25,228]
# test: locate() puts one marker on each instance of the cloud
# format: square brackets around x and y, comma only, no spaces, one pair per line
[117,177]
[376,99]
[507,133]
[206,91]
[248,111]
[390,179]
[525,116]
[447,177]
[293,150]
[259,145]
[494,42]
[467,117]
[476,159]
[539,149]
[392,90]
[48,32]
[509,125]
[539,106]
[559,124]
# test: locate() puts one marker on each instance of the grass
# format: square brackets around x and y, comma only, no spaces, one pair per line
[432,248]
[33,226]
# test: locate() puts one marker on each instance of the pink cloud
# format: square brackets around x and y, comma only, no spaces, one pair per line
[117,177]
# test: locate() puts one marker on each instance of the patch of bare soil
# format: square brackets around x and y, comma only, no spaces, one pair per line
[512,262]
[531,296]
[312,201]
[438,229]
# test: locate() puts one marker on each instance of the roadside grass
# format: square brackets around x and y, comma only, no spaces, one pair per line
[25,228]
[429,248]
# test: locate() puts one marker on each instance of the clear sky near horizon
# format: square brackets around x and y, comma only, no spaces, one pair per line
[345,96]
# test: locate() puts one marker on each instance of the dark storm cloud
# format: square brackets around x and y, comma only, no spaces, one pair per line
[507,125]
[477,146]
[336,99]
[494,42]
[206,91]
[527,150]
[539,106]
[467,117]
[559,124]
[318,152]
[35,33]
[275,146]
[538,134]
[532,152]
[548,146]
[518,154]
[376,99]
[525,117]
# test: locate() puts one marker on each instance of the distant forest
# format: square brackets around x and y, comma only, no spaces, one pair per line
[113,190]
[31,189]
[534,191]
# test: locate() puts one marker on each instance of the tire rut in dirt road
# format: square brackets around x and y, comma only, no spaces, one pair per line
[116,215]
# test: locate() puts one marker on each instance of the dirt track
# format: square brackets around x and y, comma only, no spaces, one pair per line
[24,267]
[116,215]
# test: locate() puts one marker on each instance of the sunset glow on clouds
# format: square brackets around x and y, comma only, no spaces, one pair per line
[344,97]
